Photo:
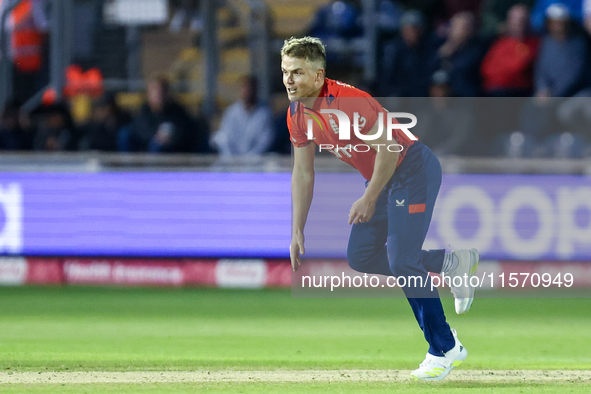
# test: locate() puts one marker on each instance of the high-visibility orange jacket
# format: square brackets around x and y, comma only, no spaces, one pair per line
[26,39]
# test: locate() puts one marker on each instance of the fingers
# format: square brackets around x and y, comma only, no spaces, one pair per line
[295,262]
[357,218]
[295,255]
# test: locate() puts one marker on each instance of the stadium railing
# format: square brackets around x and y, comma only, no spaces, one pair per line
[104,162]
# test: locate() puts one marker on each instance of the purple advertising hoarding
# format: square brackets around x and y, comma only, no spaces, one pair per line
[145,214]
[248,215]
[503,216]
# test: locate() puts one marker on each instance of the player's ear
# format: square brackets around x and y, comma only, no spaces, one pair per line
[320,73]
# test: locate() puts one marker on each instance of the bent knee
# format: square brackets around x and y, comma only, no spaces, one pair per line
[355,260]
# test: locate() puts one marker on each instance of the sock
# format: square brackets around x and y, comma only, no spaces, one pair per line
[450,262]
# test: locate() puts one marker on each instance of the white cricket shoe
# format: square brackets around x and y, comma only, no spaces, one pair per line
[437,368]
[467,265]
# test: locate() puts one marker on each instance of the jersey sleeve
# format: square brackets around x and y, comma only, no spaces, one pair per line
[295,124]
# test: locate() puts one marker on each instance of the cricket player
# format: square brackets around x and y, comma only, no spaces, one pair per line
[392,217]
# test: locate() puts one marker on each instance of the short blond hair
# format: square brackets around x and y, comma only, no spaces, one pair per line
[309,48]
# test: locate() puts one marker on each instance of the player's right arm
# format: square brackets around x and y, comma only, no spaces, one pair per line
[302,190]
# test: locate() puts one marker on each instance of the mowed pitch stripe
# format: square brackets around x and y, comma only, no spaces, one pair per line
[284,376]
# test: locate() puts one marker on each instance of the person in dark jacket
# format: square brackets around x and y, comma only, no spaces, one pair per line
[447,123]
[561,71]
[108,121]
[561,68]
[13,135]
[409,61]
[461,55]
[55,128]
[162,124]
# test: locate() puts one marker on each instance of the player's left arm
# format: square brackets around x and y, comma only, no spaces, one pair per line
[384,167]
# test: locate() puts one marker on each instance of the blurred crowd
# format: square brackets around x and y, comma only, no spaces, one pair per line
[509,49]
[161,124]
[542,52]
[493,48]
[443,49]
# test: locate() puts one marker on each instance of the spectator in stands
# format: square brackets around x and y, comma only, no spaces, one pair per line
[387,17]
[55,128]
[461,55]
[247,125]
[560,71]
[539,14]
[107,122]
[409,62]
[575,113]
[507,69]
[13,136]
[447,122]
[162,124]
[493,15]
[561,66]
[439,13]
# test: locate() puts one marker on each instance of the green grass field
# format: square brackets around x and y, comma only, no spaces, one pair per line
[113,329]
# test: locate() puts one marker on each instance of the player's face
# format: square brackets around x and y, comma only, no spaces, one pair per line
[301,78]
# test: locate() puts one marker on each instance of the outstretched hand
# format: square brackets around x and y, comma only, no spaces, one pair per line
[362,211]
